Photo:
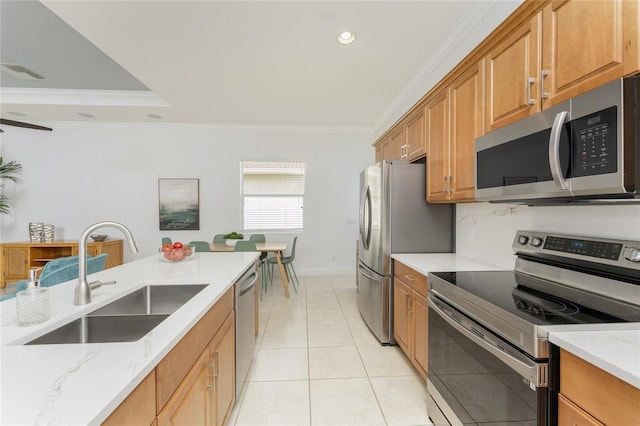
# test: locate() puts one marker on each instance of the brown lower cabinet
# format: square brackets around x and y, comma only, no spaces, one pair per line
[195,383]
[591,396]
[410,315]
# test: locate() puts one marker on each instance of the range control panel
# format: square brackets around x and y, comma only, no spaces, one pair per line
[618,252]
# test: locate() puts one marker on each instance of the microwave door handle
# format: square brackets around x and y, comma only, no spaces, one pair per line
[554,151]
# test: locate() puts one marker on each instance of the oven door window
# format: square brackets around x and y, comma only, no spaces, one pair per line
[475,385]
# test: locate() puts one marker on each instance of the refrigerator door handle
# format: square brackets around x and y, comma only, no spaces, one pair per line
[365,217]
[364,272]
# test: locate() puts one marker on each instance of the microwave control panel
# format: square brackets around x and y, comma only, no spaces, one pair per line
[594,143]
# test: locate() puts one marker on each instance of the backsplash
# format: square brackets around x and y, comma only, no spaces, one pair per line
[485,231]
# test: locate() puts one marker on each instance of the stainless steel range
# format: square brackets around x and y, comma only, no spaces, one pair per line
[488,330]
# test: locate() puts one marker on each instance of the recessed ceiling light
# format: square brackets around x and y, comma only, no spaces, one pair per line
[346,37]
[156,116]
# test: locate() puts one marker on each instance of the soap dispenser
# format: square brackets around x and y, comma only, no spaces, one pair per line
[33,302]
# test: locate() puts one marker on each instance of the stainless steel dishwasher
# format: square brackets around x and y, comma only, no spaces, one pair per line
[245,302]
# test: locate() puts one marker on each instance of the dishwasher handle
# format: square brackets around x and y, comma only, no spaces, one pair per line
[246,289]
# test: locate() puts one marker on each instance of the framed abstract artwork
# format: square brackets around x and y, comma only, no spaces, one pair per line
[179,204]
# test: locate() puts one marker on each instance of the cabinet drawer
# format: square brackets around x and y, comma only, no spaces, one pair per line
[414,279]
[175,366]
[605,397]
[140,406]
[569,414]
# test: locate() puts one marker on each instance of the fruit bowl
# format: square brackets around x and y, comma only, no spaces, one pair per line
[176,255]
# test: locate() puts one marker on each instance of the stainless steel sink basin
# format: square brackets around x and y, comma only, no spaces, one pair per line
[126,319]
[101,329]
[152,299]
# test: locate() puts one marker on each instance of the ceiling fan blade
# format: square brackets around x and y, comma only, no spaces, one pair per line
[6,122]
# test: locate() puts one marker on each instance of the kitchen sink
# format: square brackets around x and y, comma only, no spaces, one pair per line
[126,319]
[101,329]
[152,299]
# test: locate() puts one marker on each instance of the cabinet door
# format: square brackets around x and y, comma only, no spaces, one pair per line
[512,76]
[420,333]
[401,306]
[437,131]
[15,263]
[467,123]
[584,47]
[189,405]
[223,392]
[114,252]
[396,144]
[380,152]
[415,147]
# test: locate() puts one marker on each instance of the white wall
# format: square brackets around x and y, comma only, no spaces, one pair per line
[80,174]
[486,231]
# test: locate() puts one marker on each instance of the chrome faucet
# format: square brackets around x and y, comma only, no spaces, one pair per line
[83,288]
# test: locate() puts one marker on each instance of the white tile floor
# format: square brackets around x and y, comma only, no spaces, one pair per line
[318,364]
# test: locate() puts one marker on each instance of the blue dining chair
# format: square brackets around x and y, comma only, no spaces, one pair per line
[166,240]
[61,270]
[218,238]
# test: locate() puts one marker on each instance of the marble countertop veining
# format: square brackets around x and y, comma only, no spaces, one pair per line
[77,384]
[614,348]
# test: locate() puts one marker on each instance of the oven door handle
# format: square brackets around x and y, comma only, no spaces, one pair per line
[536,373]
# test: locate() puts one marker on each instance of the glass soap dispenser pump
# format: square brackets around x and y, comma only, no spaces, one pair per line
[33,302]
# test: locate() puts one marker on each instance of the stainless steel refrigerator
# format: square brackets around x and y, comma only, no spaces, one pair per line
[395,218]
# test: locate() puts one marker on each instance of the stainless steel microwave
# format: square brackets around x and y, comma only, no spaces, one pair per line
[586,148]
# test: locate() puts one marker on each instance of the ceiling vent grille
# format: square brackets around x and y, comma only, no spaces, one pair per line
[21,72]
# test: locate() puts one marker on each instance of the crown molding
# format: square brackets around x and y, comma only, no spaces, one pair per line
[36,96]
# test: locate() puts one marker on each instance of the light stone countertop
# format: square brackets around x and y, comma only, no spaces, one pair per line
[79,384]
[443,262]
[615,348]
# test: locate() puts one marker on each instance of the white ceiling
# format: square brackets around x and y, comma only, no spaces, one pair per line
[223,62]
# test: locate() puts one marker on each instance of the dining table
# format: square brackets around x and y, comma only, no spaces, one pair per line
[277,248]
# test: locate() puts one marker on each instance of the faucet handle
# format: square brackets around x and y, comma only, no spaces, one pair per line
[97,284]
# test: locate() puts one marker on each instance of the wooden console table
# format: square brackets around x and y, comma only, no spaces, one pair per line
[18,258]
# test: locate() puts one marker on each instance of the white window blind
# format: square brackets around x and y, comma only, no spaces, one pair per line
[273,195]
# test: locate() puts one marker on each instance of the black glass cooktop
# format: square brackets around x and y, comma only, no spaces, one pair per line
[540,302]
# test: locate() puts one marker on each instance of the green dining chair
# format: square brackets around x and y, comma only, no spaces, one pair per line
[251,246]
[166,240]
[287,262]
[201,246]
[218,238]
[259,238]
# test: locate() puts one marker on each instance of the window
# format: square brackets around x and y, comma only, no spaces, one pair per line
[272,195]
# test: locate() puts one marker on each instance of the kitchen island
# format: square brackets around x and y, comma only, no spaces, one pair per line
[83,383]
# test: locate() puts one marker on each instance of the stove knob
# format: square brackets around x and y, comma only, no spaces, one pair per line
[632,254]
[523,239]
[536,242]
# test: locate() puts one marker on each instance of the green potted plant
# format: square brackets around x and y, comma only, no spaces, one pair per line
[232,238]
[8,171]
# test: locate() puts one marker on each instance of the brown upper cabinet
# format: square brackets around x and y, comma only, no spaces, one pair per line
[546,52]
[454,119]
[511,69]
[415,146]
[567,48]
